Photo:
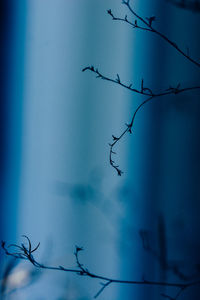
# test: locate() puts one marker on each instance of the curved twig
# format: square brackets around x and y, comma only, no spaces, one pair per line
[148,27]
[144,91]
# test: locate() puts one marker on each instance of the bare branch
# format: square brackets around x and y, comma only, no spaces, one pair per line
[149,27]
[145,91]
[25,253]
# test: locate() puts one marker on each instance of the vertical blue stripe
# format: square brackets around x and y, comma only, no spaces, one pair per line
[13,38]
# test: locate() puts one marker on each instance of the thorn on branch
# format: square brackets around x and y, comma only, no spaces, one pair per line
[78,249]
[110,13]
[118,79]
[151,20]
[98,74]
[125,2]
[174,90]
[115,138]
[129,127]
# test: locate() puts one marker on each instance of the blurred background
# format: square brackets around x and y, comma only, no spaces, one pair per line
[57,186]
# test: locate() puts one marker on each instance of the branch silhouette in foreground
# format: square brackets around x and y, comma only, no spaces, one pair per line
[145,91]
[26,253]
[147,22]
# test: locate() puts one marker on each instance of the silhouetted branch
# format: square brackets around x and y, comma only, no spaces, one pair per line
[148,21]
[18,277]
[126,20]
[145,91]
[127,130]
[26,253]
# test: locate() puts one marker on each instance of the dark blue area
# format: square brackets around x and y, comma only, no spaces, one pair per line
[6,38]
[12,33]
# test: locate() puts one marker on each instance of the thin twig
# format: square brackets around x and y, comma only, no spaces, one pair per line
[26,253]
[148,23]
[145,91]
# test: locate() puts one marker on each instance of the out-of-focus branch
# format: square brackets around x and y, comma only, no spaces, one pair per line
[165,264]
[193,6]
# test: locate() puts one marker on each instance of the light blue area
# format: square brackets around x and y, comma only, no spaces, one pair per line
[60,189]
